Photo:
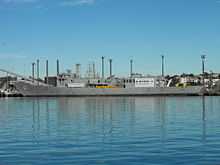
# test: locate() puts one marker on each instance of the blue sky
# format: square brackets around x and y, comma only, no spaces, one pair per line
[81,31]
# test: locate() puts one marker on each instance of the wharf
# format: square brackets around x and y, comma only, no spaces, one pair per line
[12,94]
[2,94]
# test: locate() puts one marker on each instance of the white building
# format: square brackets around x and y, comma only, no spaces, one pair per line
[145,82]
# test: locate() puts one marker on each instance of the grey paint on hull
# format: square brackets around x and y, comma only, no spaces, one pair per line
[28,89]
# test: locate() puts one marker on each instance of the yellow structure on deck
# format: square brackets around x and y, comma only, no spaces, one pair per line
[104,86]
[183,85]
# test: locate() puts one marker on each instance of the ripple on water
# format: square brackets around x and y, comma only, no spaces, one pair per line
[130,130]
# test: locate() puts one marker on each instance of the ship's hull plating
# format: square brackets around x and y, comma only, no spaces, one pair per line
[28,89]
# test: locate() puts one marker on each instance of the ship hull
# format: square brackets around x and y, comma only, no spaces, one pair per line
[33,90]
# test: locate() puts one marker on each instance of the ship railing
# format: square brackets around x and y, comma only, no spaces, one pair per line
[14,74]
[36,83]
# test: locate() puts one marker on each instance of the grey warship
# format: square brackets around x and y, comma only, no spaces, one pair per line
[30,89]
[73,84]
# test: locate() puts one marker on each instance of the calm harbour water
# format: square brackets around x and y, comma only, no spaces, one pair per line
[110,130]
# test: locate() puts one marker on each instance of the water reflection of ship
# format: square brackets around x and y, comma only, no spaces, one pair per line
[103,114]
[37,115]
[109,111]
[203,119]
[160,109]
[36,118]
[99,112]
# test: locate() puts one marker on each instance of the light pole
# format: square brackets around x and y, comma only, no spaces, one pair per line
[203,68]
